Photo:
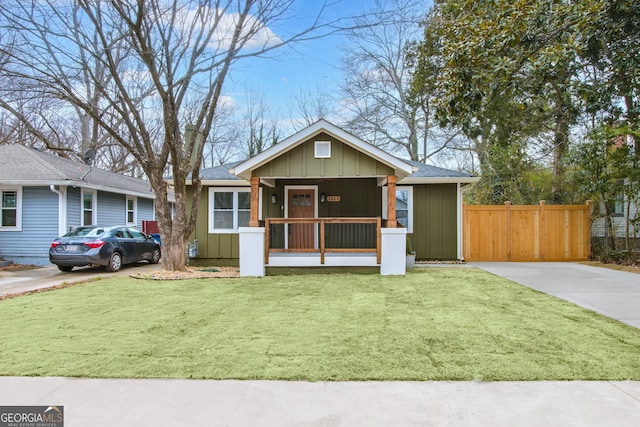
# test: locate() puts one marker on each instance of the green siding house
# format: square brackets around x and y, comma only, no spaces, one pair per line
[321,197]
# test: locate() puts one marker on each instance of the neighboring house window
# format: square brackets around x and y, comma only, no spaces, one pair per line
[618,204]
[11,209]
[88,207]
[404,206]
[229,208]
[131,210]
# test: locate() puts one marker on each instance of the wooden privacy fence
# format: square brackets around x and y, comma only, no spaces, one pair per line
[527,233]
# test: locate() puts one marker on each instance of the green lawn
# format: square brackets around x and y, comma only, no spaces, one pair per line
[433,324]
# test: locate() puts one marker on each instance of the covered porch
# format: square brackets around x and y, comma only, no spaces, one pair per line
[299,237]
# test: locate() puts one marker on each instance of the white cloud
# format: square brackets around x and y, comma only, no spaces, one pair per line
[223,25]
[226,101]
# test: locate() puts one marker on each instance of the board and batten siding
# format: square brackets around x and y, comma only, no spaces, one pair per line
[435,230]
[212,246]
[39,228]
[344,162]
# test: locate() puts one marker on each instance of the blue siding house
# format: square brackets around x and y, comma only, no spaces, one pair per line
[42,196]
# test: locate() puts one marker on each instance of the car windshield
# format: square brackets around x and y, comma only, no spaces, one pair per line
[85,231]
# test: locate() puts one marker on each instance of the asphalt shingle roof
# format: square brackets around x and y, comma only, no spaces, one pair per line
[221,172]
[429,171]
[22,164]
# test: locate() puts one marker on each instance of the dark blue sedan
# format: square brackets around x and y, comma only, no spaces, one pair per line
[111,247]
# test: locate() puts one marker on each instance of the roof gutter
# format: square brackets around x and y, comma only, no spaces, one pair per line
[440,180]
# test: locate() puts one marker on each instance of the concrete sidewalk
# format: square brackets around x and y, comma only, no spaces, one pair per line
[140,403]
[615,294]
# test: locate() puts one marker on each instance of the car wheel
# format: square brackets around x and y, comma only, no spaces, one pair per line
[155,256]
[65,268]
[115,262]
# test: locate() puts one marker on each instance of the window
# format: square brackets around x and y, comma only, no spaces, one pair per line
[136,234]
[11,215]
[322,149]
[131,210]
[618,204]
[229,208]
[88,208]
[404,206]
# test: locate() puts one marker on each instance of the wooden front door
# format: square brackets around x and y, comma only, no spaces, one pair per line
[301,205]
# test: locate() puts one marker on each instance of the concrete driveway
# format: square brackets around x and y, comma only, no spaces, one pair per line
[615,294]
[19,281]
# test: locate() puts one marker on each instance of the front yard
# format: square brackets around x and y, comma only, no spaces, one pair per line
[433,324]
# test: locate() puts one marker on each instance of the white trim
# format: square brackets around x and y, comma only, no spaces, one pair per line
[223,183]
[135,210]
[62,208]
[210,210]
[18,191]
[385,199]
[243,170]
[94,206]
[286,209]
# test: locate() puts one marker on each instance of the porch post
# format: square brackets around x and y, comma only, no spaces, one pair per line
[391,201]
[255,201]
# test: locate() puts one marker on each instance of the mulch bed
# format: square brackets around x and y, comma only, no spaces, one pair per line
[191,273]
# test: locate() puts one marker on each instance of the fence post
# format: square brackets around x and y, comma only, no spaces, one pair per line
[508,211]
[587,227]
[541,239]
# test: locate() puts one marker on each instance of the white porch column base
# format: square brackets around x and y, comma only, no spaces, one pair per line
[394,250]
[251,251]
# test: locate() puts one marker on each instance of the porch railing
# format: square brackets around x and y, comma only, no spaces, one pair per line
[320,225]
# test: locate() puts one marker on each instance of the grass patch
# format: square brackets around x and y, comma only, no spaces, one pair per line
[433,324]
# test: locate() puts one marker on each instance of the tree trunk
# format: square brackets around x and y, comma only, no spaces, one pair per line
[561,143]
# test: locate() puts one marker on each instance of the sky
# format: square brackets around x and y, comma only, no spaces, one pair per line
[308,66]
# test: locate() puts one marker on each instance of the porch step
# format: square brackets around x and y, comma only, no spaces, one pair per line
[343,259]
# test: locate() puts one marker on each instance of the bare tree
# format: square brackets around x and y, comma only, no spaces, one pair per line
[377,84]
[308,107]
[260,129]
[165,61]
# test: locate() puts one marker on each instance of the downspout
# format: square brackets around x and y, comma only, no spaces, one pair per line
[62,208]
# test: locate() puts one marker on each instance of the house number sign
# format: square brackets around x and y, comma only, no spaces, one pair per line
[333,198]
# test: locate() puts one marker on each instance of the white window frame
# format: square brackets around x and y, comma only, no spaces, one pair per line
[211,213]
[94,206]
[322,149]
[385,196]
[135,210]
[18,209]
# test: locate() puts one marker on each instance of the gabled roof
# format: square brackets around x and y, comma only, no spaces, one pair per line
[409,172]
[20,165]
[243,169]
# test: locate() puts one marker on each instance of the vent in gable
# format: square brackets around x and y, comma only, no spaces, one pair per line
[322,149]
